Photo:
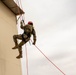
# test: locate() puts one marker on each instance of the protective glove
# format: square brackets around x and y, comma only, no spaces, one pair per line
[22,20]
[33,43]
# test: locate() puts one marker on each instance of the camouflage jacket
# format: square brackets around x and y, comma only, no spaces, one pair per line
[29,30]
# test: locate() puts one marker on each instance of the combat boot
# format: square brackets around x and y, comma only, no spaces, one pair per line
[15,47]
[19,56]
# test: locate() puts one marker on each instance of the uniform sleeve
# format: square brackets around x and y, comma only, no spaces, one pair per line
[34,36]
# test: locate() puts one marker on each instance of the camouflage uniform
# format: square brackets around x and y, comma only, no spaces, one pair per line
[25,37]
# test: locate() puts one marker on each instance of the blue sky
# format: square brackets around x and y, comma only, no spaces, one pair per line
[55,25]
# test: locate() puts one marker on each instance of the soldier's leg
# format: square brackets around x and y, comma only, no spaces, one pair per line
[15,37]
[20,49]
[20,53]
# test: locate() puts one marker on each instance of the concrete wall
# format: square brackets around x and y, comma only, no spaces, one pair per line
[9,65]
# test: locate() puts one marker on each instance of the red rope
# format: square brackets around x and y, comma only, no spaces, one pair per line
[20,5]
[23,16]
[26,60]
[21,8]
[50,61]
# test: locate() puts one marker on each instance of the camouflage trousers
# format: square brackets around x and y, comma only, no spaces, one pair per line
[24,39]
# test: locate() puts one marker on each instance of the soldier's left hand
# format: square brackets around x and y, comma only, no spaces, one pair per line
[33,43]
